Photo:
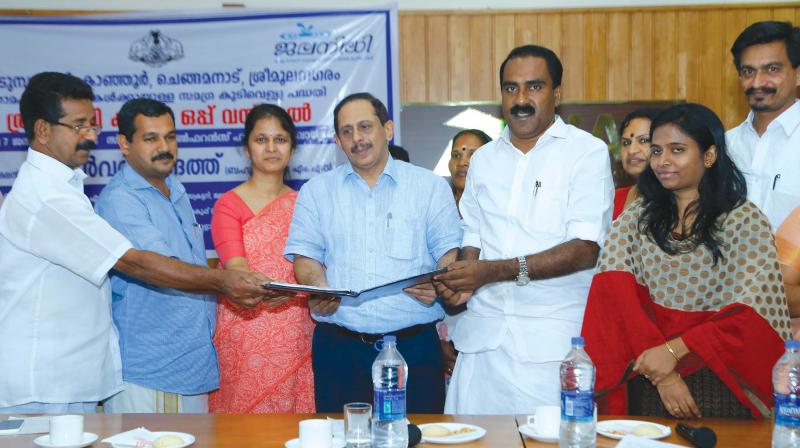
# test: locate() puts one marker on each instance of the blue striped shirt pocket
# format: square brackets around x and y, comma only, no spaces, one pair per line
[404,238]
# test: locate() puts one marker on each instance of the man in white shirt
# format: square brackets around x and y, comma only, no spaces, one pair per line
[58,346]
[537,203]
[766,146]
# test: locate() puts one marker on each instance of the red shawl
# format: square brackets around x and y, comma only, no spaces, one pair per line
[739,339]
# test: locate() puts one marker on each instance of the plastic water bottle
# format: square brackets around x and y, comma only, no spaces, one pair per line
[786,384]
[578,425]
[389,377]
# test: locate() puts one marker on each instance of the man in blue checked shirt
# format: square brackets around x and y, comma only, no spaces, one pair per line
[368,222]
[168,359]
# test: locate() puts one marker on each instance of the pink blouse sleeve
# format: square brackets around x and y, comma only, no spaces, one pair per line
[227,219]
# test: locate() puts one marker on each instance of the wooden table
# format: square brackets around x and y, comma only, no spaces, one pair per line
[259,430]
[731,433]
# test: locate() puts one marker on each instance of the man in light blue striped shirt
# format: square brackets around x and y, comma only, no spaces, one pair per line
[368,222]
[168,359]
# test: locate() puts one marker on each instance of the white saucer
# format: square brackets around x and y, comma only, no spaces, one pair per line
[187,438]
[474,433]
[44,441]
[295,443]
[530,431]
[617,429]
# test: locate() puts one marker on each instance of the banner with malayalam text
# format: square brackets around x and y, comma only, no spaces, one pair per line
[210,68]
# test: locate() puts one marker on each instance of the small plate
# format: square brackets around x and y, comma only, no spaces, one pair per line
[44,441]
[617,429]
[530,431]
[476,433]
[295,443]
[187,438]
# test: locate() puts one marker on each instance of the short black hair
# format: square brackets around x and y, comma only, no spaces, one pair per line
[380,109]
[266,110]
[399,153]
[43,96]
[764,33]
[649,113]
[553,63]
[139,106]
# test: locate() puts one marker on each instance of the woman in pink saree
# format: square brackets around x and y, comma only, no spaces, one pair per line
[264,352]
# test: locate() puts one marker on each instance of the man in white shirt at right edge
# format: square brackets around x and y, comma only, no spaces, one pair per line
[537,204]
[766,146]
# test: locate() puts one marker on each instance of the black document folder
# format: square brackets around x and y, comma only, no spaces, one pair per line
[386,289]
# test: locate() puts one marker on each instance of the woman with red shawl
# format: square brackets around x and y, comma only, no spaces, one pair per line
[688,292]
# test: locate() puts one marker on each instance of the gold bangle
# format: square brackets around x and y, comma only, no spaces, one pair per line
[672,352]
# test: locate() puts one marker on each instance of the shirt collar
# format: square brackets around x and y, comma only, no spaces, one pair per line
[788,120]
[556,130]
[137,182]
[56,169]
[390,169]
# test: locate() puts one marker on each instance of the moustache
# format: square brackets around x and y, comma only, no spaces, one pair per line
[363,146]
[86,145]
[752,90]
[515,110]
[162,156]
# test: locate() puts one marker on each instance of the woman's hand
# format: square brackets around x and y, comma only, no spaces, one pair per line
[676,397]
[655,363]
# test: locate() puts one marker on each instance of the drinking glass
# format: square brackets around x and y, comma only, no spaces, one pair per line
[357,431]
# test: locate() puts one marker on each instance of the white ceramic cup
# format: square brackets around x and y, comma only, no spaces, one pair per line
[66,429]
[316,433]
[546,420]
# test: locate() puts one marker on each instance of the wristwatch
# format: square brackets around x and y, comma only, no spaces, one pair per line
[523,278]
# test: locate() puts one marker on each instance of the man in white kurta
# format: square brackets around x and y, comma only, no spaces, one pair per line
[537,203]
[59,345]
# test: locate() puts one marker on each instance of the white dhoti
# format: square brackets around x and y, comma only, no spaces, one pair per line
[516,376]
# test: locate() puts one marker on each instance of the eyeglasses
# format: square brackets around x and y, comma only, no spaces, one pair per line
[80,129]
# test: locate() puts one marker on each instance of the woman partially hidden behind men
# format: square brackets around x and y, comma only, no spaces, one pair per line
[689,290]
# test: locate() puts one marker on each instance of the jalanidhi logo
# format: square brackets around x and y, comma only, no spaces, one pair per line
[306,32]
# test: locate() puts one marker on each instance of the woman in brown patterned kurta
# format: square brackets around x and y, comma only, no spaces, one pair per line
[689,289]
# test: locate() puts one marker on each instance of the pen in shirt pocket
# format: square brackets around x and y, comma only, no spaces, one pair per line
[536,186]
[389,220]
[775,180]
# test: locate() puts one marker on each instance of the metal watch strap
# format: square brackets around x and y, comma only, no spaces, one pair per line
[523,278]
